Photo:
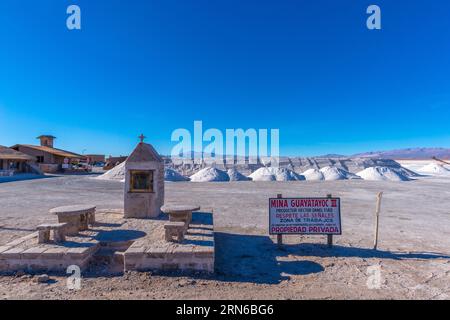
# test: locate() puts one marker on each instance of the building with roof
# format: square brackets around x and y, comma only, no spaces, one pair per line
[13,161]
[48,158]
[95,158]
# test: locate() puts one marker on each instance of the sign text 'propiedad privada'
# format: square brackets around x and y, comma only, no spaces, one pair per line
[304,216]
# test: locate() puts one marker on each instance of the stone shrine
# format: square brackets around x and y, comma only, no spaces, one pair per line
[144,182]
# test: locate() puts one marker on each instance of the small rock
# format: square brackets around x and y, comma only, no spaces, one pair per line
[43,278]
[20,273]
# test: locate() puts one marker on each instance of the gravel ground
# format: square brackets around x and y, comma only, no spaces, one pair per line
[413,255]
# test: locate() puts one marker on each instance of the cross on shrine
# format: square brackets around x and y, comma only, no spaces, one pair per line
[142,137]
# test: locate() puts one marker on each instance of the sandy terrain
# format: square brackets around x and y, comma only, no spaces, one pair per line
[413,255]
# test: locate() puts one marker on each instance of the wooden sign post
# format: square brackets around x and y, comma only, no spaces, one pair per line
[279,236]
[377,218]
[329,236]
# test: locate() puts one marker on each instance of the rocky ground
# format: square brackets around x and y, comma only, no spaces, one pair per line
[413,259]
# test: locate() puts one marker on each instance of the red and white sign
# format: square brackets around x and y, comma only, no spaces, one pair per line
[305,216]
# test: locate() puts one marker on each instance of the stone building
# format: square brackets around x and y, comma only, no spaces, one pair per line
[144,182]
[12,161]
[95,158]
[48,158]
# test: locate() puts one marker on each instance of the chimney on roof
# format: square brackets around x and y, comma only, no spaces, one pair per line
[46,141]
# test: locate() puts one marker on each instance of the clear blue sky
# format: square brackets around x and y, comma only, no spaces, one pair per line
[309,68]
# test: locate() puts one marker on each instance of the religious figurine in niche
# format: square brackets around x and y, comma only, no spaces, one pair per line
[141,180]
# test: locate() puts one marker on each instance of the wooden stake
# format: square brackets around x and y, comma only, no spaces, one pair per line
[329,236]
[377,218]
[279,236]
[279,240]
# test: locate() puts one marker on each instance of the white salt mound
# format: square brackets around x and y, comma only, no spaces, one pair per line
[173,176]
[382,174]
[117,173]
[334,173]
[210,175]
[275,174]
[313,174]
[235,175]
[434,168]
[263,174]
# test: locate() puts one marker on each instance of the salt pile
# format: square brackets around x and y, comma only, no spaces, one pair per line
[333,173]
[434,168]
[382,174]
[210,175]
[117,173]
[313,174]
[275,174]
[263,174]
[173,176]
[235,175]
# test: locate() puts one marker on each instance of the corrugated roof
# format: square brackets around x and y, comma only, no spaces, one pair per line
[11,154]
[54,151]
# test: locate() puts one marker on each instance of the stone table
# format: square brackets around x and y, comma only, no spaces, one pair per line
[180,212]
[77,217]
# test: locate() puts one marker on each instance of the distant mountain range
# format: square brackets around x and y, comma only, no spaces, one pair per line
[398,154]
[332,155]
[405,154]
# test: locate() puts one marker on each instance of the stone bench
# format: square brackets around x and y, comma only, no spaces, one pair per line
[175,229]
[78,217]
[59,232]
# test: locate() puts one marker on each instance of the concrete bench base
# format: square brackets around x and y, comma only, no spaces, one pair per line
[142,247]
[175,229]
[195,253]
[46,257]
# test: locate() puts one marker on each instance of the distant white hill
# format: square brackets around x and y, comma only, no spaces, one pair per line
[210,174]
[382,173]
[334,173]
[275,174]
[435,168]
